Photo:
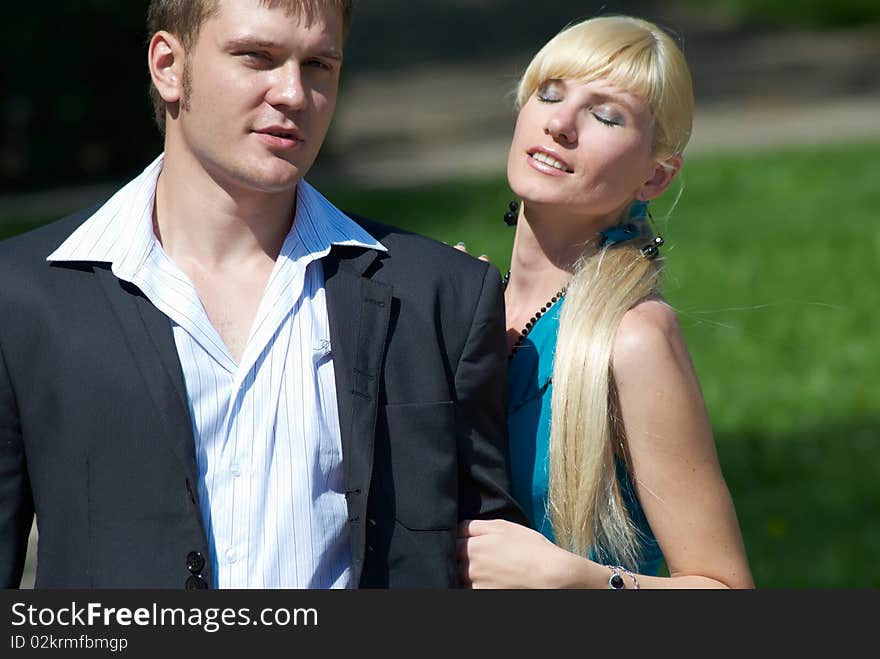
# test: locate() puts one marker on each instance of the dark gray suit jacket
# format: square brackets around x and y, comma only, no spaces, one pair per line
[96,435]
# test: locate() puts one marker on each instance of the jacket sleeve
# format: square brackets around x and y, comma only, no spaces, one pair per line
[481,389]
[16,504]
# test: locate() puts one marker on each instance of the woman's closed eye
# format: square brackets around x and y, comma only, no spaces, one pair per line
[550,92]
[608,120]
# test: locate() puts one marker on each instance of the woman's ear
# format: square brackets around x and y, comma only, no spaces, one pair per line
[166,60]
[664,171]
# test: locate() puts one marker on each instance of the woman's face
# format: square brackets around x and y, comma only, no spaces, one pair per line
[586,147]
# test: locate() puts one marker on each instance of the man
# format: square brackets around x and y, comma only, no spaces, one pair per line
[216,378]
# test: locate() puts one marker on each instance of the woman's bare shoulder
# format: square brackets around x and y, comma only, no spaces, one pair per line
[648,334]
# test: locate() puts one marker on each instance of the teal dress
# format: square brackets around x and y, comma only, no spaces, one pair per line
[528,415]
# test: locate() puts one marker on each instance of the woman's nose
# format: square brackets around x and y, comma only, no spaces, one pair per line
[562,127]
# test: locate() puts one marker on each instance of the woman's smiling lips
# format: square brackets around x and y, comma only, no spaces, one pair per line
[548,162]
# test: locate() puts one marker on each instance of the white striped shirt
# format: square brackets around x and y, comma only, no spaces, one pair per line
[267,429]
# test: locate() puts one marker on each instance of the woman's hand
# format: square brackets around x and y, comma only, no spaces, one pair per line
[500,554]
[461,247]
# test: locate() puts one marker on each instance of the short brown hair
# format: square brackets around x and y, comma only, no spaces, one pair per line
[184,19]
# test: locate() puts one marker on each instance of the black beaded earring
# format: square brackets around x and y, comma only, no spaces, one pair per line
[512,214]
[652,250]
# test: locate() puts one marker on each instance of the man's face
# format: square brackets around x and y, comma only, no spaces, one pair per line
[259,94]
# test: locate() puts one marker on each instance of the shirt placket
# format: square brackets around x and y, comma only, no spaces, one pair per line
[237,467]
[242,428]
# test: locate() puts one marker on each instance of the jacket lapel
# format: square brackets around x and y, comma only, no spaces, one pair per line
[358,311]
[149,337]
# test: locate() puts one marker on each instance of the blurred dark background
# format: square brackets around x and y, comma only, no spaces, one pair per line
[74,107]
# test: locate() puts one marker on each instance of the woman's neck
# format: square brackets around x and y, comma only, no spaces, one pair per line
[545,251]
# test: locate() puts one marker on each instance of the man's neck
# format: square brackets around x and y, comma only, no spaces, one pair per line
[198,218]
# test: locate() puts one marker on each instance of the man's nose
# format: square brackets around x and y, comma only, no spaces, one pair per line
[288,88]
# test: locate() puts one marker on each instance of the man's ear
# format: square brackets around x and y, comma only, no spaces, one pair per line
[664,171]
[166,59]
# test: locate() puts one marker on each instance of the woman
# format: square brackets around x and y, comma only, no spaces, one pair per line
[612,453]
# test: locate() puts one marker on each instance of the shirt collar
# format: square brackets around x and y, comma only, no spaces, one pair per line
[319,224]
[121,231]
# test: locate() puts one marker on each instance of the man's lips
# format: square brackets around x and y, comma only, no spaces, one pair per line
[280,136]
[547,161]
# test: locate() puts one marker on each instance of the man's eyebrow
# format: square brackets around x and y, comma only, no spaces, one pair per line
[250,43]
[331,53]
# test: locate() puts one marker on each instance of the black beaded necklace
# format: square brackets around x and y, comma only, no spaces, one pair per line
[529,325]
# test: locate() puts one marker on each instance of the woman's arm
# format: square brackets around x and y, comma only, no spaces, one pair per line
[672,453]
[676,474]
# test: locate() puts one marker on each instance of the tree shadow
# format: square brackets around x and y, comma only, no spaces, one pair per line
[808,503]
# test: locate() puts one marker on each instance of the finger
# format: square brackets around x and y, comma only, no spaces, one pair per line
[483,257]
[461,247]
[473,527]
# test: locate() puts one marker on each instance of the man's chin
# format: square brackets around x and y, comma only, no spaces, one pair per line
[276,186]
[275,180]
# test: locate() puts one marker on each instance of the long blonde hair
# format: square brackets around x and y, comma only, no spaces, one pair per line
[586,507]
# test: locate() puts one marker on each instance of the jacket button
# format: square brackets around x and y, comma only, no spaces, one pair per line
[195,562]
[196,583]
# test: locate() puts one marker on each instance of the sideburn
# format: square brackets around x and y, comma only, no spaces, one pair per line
[186,85]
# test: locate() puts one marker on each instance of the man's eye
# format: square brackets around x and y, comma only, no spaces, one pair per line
[254,56]
[319,64]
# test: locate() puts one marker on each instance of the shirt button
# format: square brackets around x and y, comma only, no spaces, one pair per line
[236,470]
[231,555]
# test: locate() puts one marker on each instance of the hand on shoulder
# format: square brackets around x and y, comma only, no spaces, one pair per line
[461,247]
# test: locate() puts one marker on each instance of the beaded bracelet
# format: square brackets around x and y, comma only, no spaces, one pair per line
[615,581]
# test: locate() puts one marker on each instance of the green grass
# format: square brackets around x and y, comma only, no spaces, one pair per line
[772,260]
